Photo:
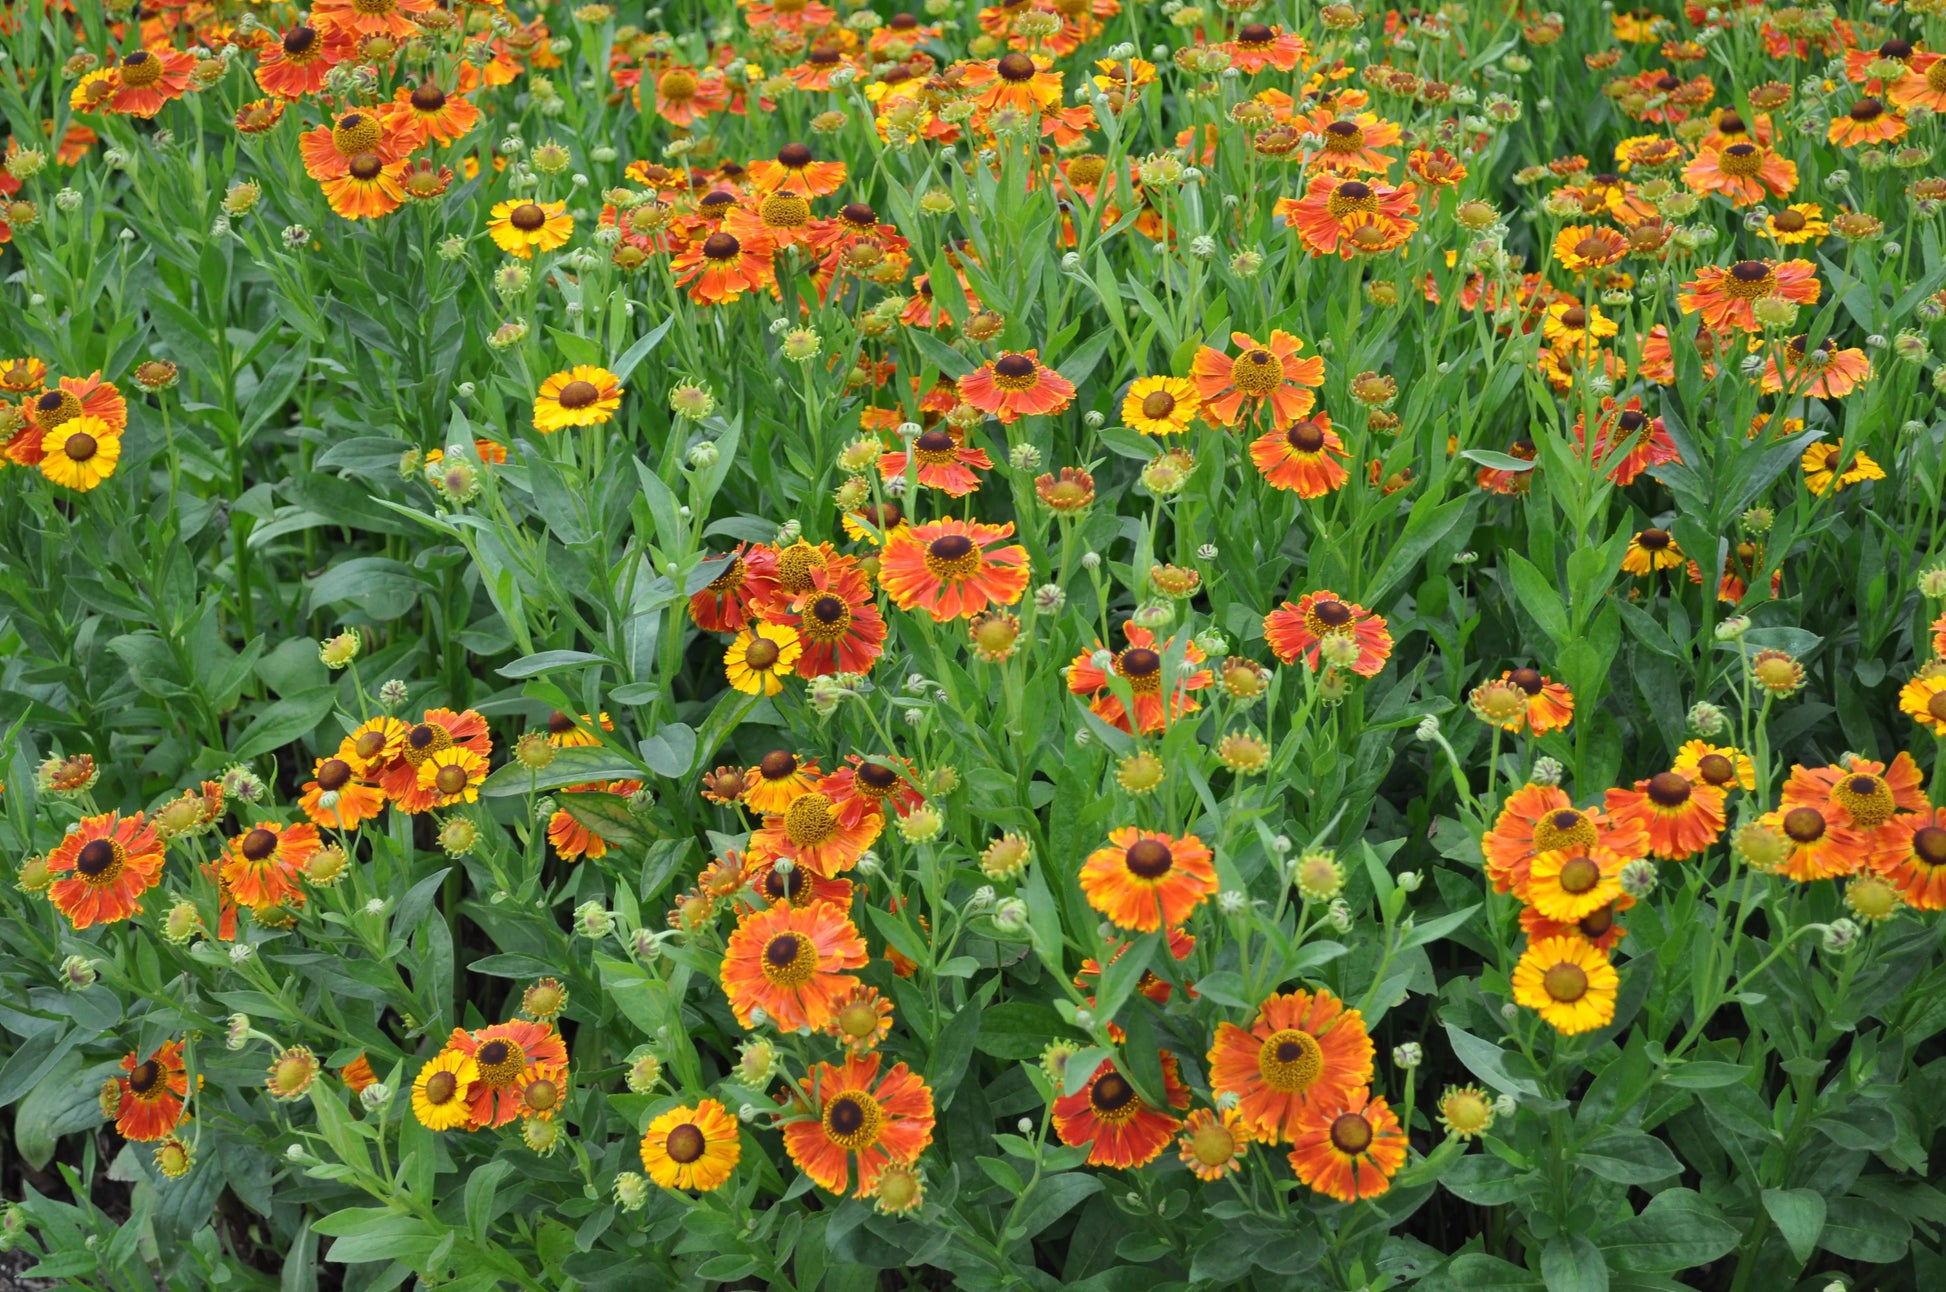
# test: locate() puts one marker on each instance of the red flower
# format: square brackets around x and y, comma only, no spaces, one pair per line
[1016,385]
[152,1093]
[950,569]
[103,867]
[1111,1118]
[853,1110]
[837,621]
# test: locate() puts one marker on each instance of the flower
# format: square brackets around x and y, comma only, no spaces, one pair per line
[1145,880]
[1818,845]
[1867,122]
[1300,630]
[1351,217]
[1140,665]
[1350,1150]
[950,569]
[1745,172]
[1569,981]
[1582,247]
[1301,1051]
[861,1021]
[439,1092]
[1797,223]
[778,778]
[145,79]
[1681,817]
[1550,705]
[151,1093]
[1911,854]
[1306,458]
[291,1073]
[1828,469]
[796,171]
[262,864]
[720,268]
[369,187]
[1721,766]
[452,776]
[1161,405]
[1352,143]
[1261,375]
[761,657]
[1923,699]
[1108,1116]
[1724,296]
[1860,793]
[521,228]
[815,832]
[504,1056]
[1650,550]
[1542,818]
[1566,885]
[1466,1112]
[744,587]
[1212,1144]
[692,1148]
[788,962]
[370,17]
[437,730]
[1826,372]
[583,395]
[1016,385]
[424,113]
[102,867]
[883,1120]
[943,462]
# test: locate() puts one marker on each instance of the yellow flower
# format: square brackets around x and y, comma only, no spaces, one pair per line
[454,775]
[1796,223]
[521,227]
[582,396]
[1821,463]
[1566,885]
[1465,1111]
[1569,981]
[692,1148]
[1923,699]
[1161,405]
[439,1091]
[761,657]
[81,453]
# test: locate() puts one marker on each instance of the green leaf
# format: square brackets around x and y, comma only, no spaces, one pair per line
[1570,1263]
[1485,1181]
[1488,1062]
[671,751]
[1054,1197]
[642,349]
[481,1186]
[1859,1230]
[1478,1272]
[282,721]
[529,665]
[1629,1157]
[574,766]
[1799,1217]
[1539,597]
[1676,1231]
[606,815]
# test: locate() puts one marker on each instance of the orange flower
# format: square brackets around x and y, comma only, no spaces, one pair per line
[789,963]
[1627,440]
[152,1093]
[796,171]
[296,65]
[1866,123]
[950,569]
[1016,385]
[369,188]
[1724,295]
[1301,1051]
[814,833]
[884,1120]
[1820,847]
[1350,1151]
[747,582]
[353,798]
[1597,927]
[1350,217]
[1145,880]
[683,96]
[1542,818]
[1681,818]
[371,17]
[837,621]
[148,78]
[779,779]
[425,113]
[1912,854]
[1301,630]
[1014,80]
[507,1055]
[1826,373]
[1746,173]
[1305,459]
[1258,46]
[1141,666]
[262,864]
[103,867]
[1111,1118]
[438,730]
[1351,143]
[1550,705]
[1862,794]
[1261,375]
[944,463]
[864,786]
[1581,247]
[328,150]
[722,267]
[799,886]
[1924,83]
[358,1073]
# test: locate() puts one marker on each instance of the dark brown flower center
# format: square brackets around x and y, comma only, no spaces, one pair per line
[859,213]
[1013,365]
[1654,540]
[1574,316]
[1867,109]
[1016,67]
[1716,769]
[369,744]
[145,1076]
[1929,845]
[721,246]
[1305,437]
[450,779]
[828,610]
[684,1145]
[1527,679]
[1112,1092]
[80,447]
[258,844]
[878,776]
[1158,404]
[1579,874]
[794,156]
[1730,124]
[1351,1134]
[1254,33]
[1788,221]
[951,547]
[299,40]
[777,764]
[441,1087]
[846,1114]
[1148,858]
[334,774]
[1804,825]
[95,857]
[527,217]
[782,950]
[1597,922]
[578,394]
[428,97]
[762,653]
[1669,790]
[493,1053]
[365,166]
[1332,614]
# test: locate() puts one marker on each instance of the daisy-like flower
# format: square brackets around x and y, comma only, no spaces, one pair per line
[1542,818]
[370,187]
[720,268]
[1746,173]
[1924,83]
[1820,845]
[837,622]
[152,1093]
[943,461]
[22,375]
[1580,248]
[262,865]
[1161,405]
[1565,886]
[148,78]
[1868,122]
[1829,469]
[439,729]
[854,1111]
[522,228]
[1722,766]
[779,779]
[1597,926]
[1258,46]
[1145,880]
[1350,1151]
[1550,705]
[1140,665]
[1300,1051]
[371,17]
[566,731]
[296,65]
[102,867]
[1212,1144]
[1627,440]
[1796,224]
[504,1054]
[1306,459]
[340,793]
[783,218]
[1119,1128]
[1569,982]
[692,1148]
[951,569]
[1264,376]
[815,831]
[1351,143]
[1349,217]
[439,1092]
[583,395]
[1650,550]
[865,786]
[328,150]
[796,171]
[800,886]
[1300,630]
[1826,372]
[1682,818]
[1911,854]
[1016,385]
[746,584]
[683,96]
[452,776]
[1017,80]
[1861,793]
[1724,295]
[791,964]
[81,453]
[761,657]
[1923,699]
[424,113]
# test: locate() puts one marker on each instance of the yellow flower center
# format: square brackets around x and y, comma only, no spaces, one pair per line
[357,133]
[794,566]
[1212,1144]
[809,821]
[1741,160]
[1290,1061]
[1749,279]
[373,8]
[1936,76]
[951,557]
[500,1062]
[1343,137]
[853,1120]
[55,408]
[858,1020]
[141,70]
[785,211]
[1867,798]
[1579,875]
[542,1096]
[1256,373]
[677,85]
[425,740]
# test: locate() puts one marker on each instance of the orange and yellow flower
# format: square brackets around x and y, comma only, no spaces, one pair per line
[854,1111]
[102,867]
[791,964]
[1145,880]
[1301,1051]
[1350,1150]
